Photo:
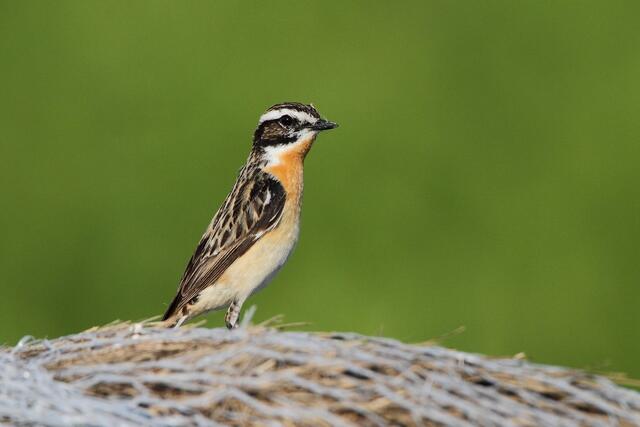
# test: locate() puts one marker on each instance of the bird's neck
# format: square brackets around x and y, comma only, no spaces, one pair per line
[286,163]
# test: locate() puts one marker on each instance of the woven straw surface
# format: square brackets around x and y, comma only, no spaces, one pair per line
[139,374]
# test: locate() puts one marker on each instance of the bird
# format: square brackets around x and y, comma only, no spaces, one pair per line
[256,228]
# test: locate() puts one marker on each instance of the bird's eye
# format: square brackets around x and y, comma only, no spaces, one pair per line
[286,121]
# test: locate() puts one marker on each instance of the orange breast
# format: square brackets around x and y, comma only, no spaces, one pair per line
[290,167]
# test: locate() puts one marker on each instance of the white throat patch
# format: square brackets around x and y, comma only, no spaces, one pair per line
[273,153]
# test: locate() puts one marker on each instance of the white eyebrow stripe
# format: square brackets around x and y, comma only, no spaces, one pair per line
[276,114]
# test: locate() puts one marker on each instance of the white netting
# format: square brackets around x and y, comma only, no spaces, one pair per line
[138,374]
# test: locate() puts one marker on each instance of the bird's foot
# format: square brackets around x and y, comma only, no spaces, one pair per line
[233,314]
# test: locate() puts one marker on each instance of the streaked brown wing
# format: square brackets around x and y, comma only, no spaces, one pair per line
[251,210]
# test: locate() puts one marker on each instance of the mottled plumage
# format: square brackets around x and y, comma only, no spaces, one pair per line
[255,229]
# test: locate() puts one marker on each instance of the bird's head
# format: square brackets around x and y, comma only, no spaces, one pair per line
[288,124]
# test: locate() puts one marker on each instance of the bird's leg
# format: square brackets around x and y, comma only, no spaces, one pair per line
[233,314]
[180,321]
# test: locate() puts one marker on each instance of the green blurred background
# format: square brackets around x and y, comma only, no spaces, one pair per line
[486,171]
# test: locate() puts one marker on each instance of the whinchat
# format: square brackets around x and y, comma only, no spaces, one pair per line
[254,231]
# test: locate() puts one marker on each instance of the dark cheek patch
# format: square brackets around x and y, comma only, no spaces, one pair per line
[271,133]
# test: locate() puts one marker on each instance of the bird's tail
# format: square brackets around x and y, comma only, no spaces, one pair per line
[171,317]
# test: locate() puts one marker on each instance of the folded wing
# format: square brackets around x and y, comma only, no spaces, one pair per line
[252,209]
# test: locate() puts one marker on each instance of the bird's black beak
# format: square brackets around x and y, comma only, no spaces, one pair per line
[323,125]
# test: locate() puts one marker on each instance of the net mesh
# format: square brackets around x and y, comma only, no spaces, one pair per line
[140,374]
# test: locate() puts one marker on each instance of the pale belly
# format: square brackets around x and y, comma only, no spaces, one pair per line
[253,270]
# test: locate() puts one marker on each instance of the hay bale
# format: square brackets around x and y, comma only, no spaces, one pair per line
[139,374]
